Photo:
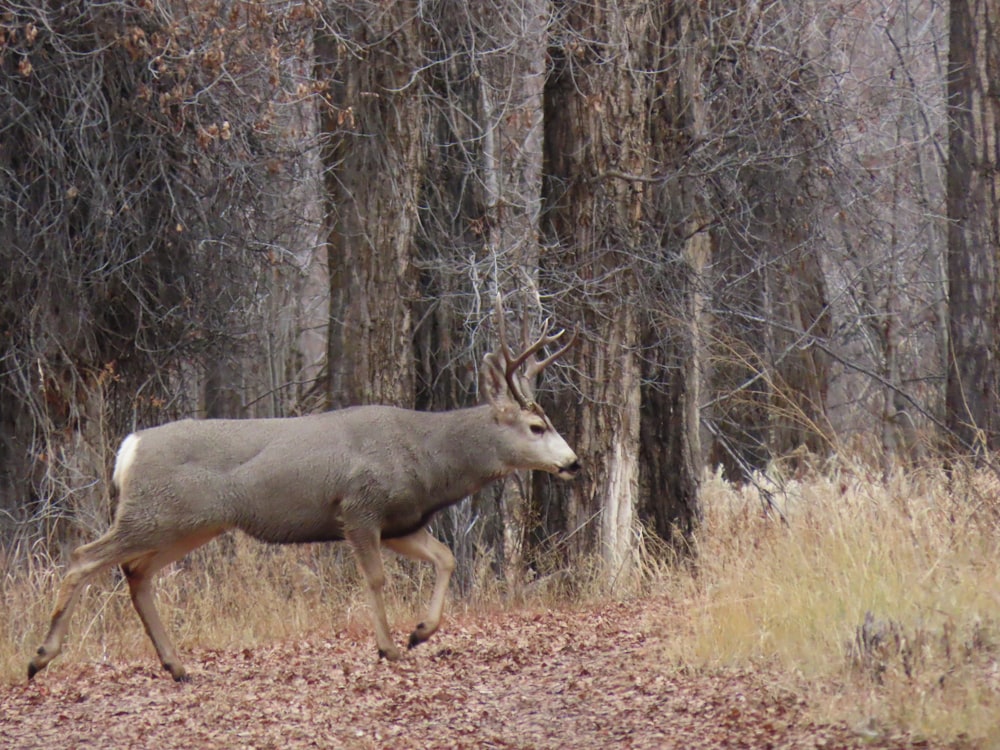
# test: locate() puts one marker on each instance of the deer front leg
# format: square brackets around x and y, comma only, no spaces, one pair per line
[366,550]
[423,546]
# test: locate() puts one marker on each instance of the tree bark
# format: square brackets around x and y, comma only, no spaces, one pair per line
[673,286]
[512,87]
[373,170]
[973,177]
[595,137]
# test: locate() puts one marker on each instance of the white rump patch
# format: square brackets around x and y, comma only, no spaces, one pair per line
[125,458]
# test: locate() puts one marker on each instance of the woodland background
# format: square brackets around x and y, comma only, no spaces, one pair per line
[774,224]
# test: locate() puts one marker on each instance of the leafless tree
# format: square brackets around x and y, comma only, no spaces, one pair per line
[244,208]
[973,409]
[146,169]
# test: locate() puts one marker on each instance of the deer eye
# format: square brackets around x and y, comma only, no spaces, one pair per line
[537,429]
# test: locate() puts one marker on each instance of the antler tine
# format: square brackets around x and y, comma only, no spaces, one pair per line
[512,363]
[544,340]
[536,367]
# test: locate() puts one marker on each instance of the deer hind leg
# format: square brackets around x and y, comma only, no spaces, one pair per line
[140,574]
[423,546]
[369,557]
[85,561]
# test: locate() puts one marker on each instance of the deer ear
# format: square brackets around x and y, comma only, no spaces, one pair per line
[492,380]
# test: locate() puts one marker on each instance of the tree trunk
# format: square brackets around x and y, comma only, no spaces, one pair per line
[796,299]
[595,139]
[671,455]
[973,176]
[512,87]
[673,298]
[373,165]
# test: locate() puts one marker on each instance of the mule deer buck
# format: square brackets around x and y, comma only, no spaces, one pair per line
[370,475]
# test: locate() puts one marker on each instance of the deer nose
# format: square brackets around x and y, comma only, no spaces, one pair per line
[570,470]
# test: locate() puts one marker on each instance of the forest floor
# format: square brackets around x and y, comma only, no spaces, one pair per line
[595,676]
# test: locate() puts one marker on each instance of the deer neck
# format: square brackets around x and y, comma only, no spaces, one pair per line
[465,453]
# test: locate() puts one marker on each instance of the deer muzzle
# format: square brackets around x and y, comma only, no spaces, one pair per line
[570,470]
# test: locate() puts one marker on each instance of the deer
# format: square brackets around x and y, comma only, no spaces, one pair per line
[372,476]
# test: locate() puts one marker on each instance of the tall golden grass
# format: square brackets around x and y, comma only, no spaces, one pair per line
[880,600]
[883,596]
[232,592]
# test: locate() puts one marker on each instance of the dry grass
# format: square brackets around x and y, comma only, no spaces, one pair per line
[231,593]
[884,598]
[881,602]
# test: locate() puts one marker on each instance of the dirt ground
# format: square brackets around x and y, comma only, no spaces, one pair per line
[592,678]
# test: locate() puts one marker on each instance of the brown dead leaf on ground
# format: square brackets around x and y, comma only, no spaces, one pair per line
[586,678]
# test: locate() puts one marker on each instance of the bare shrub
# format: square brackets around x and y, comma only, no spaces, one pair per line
[146,164]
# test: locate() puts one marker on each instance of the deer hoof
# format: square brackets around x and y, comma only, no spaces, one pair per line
[420,634]
[37,664]
[177,672]
[390,654]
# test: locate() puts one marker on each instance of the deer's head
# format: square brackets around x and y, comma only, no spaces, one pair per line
[530,440]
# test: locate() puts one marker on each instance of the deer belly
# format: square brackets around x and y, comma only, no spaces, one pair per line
[298,534]
[296,524]
[399,526]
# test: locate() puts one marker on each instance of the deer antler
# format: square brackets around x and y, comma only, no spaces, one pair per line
[511,362]
[538,365]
